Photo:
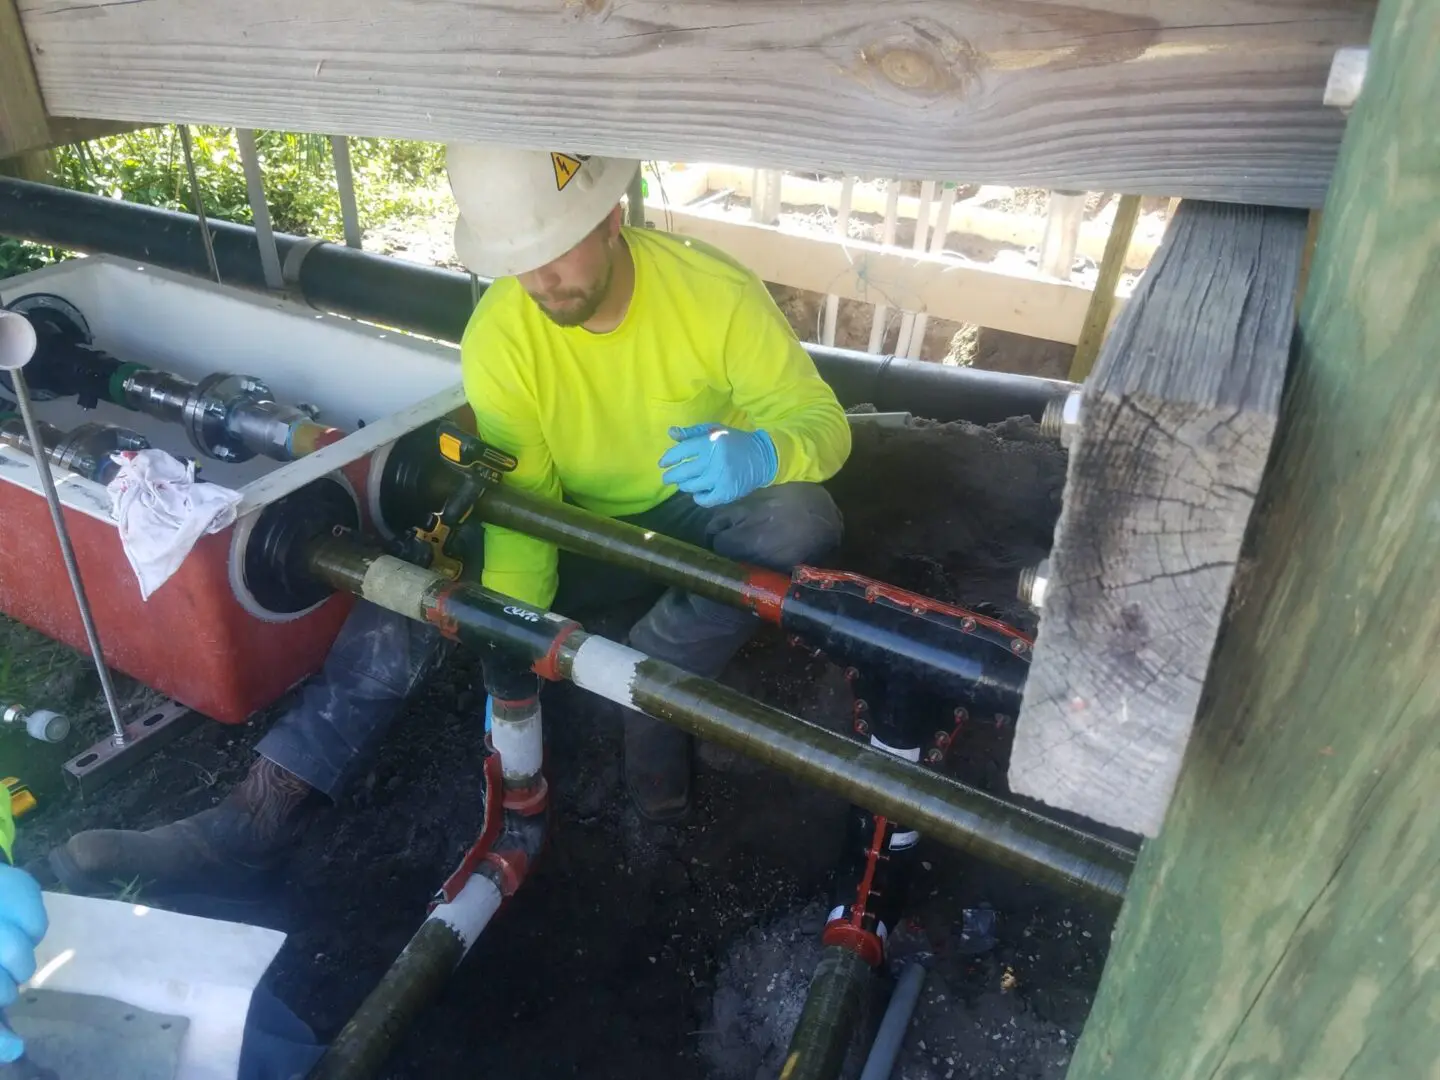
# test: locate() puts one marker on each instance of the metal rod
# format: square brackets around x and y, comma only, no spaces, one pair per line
[259,209]
[345,185]
[67,553]
[828,1021]
[205,237]
[951,812]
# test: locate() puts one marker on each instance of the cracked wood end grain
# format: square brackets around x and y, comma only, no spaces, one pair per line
[1174,435]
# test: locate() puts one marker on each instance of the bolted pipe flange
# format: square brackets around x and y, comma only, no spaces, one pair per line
[275,563]
[208,410]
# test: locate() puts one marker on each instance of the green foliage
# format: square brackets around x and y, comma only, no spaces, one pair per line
[395,179]
[391,175]
[18,257]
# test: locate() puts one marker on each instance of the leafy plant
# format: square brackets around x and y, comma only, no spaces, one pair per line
[19,257]
[394,180]
[147,166]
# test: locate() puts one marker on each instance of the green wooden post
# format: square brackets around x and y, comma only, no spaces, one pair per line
[1286,922]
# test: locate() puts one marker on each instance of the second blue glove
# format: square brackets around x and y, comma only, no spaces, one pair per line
[717,464]
[22,925]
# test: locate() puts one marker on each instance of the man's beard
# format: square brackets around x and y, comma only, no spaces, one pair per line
[583,312]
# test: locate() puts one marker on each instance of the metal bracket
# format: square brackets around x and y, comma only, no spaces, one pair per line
[156,728]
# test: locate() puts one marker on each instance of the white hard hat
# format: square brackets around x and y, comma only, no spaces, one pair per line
[519,209]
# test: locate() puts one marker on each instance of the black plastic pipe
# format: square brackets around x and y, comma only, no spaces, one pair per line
[437,303]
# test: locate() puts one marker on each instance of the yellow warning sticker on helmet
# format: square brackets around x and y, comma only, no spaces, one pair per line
[566,167]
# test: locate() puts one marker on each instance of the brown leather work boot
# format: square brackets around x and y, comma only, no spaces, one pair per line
[228,845]
[657,768]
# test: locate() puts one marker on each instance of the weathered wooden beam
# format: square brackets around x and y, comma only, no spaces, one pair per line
[943,288]
[1175,428]
[1286,924]
[1168,97]
[24,124]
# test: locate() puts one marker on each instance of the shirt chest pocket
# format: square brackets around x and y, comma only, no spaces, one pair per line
[705,405]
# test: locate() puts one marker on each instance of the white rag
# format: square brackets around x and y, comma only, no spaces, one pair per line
[163,510]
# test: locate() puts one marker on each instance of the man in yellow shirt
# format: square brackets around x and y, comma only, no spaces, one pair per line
[639,375]
[644,377]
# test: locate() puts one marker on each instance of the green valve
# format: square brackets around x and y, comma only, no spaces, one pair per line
[117,381]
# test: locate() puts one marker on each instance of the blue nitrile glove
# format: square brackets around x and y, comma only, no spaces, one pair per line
[718,464]
[22,925]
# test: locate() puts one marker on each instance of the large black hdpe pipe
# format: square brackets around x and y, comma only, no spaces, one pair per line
[437,303]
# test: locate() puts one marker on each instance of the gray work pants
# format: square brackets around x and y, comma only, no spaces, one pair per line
[379,658]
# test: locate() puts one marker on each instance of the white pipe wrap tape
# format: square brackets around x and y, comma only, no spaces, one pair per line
[520,742]
[397,586]
[470,912]
[606,668]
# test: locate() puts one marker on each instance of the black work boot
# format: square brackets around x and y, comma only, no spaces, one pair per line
[657,768]
[218,849]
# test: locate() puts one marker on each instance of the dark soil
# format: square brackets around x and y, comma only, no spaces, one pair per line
[640,951]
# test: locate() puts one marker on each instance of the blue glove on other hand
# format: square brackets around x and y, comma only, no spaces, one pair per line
[22,925]
[718,464]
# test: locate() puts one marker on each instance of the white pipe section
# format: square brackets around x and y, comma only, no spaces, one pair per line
[912,754]
[899,841]
[606,668]
[937,245]
[470,912]
[397,586]
[842,230]
[920,243]
[887,237]
[519,739]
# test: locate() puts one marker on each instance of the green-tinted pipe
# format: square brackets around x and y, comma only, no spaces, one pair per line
[938,806]
[617,543]
[827,1024]
[956,814]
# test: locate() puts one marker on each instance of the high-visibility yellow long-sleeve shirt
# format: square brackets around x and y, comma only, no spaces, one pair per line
[588,415]
[7,825]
